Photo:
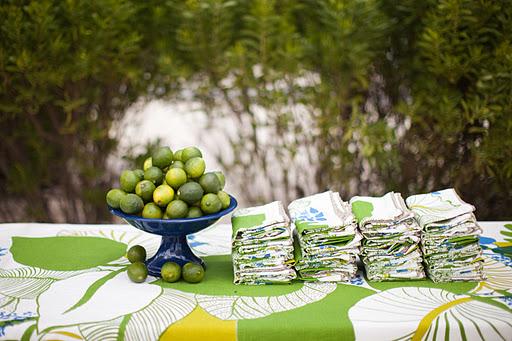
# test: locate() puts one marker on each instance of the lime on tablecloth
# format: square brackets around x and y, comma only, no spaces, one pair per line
[68,282]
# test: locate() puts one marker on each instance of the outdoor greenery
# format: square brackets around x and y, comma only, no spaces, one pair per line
[358,96]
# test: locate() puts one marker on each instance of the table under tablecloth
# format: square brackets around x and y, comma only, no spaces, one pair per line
[68,282]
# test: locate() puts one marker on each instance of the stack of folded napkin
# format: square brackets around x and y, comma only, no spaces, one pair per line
[327,241]
[262,245]
[391,238]
[450,236]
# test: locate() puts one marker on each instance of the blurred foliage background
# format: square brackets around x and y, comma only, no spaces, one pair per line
[359,96]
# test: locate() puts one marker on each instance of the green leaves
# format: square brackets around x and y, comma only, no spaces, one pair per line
[62,67]
[354,95]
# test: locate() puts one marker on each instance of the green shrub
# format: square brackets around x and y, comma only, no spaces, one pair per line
[358,96]
[68,70]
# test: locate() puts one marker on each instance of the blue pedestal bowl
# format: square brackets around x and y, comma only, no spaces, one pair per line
[174,246]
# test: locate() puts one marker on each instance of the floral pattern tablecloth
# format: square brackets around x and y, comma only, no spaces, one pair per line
[68,282]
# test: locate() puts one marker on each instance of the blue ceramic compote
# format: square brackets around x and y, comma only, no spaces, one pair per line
[174,246]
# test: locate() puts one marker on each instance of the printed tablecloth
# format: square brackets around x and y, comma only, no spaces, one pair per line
[68,282]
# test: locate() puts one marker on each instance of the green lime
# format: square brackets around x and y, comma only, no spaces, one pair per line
[152,211]
[224,199]
[145,189]
[194,212]
[131,204]
[190,192]
[148,163]
[162,157]
[189,153]
[137,272]
[177,209]
[222,179]
[192,272]
[136,253]
[176,177]
[165,216]
[154,174]
[128,180]
[211,203]
[163,195]
[195,167]
[197,204]
[210,183]
[170,272]
[114,197]
[139,173]
[177,155]
[177,164]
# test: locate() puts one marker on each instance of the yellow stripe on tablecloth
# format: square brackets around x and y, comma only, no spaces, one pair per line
[69,334]
[427,320]
[503,244]
[65,333]
[200,326]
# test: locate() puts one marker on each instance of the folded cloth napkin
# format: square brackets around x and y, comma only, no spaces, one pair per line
[262,245]
[449,240]
[255,225]
[386,211]
[438,206]
[327,241]
[265,275]
[390,238]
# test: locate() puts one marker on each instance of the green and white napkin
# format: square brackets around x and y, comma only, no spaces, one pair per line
[387,211]
[449,239]
[440,206]
[327,241]
[390,238]
[262,245]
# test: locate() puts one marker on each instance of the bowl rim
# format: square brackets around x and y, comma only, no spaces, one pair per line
[232,205]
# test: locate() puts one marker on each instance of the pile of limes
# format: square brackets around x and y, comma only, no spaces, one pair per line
[170,186]
[170,272]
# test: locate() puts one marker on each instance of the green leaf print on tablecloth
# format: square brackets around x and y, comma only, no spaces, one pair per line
[149,322]
[505,248]
[454,287]
[299,311]
[428,314]
[228,301]
[88,299]
[507,232]
[118,296]
[362,209]
[66,253]
[323,320]
[94,287]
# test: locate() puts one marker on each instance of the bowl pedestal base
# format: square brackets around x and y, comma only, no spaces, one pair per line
[175,249]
